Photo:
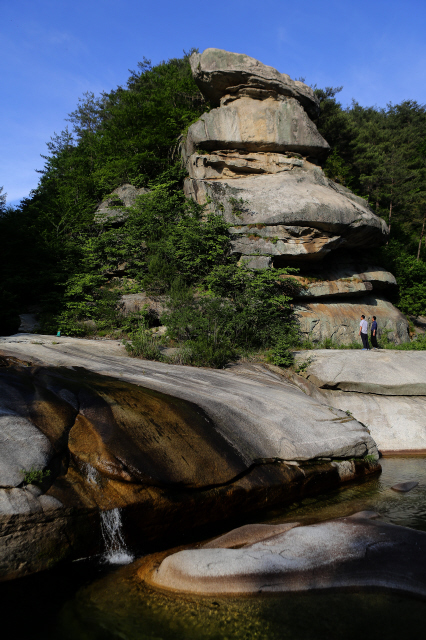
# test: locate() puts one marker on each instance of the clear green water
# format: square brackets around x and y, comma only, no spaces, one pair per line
[404,509]
[100,603]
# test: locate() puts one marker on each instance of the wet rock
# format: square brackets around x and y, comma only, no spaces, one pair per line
[22,447]
[348,552]
[368,515]
[404,487]
[174,447]
[248,535]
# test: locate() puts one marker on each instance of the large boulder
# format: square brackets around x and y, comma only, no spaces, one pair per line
[349,552]
[385,390]
[255,160]
[113,208]
[302,197]
[220,73]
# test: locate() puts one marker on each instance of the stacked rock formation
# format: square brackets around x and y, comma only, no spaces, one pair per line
[256,158]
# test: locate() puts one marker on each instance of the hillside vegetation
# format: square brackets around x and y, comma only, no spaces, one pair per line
[54,256]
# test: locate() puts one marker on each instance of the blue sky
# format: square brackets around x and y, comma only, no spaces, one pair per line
[51,52]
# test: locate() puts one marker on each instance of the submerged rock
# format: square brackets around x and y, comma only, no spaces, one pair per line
[404,487]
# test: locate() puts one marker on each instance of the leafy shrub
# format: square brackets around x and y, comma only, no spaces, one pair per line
[35,476]
[143,344]
[281,354]
[239,311]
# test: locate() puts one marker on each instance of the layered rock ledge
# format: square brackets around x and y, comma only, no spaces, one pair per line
[255,159]
[385,390]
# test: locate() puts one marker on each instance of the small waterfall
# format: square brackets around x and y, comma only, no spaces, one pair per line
[116,551]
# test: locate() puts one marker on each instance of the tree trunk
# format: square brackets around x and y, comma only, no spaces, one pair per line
[421,236]
[390,216]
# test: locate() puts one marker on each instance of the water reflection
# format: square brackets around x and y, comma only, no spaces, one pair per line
[119,606]
[375,494]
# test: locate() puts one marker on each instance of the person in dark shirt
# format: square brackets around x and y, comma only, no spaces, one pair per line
[374,334]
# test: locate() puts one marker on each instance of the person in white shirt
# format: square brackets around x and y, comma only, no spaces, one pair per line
[363,332]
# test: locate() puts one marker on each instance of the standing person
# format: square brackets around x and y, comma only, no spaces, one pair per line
[363,332]
[373,335]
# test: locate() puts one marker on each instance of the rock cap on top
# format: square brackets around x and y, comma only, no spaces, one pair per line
[218,72]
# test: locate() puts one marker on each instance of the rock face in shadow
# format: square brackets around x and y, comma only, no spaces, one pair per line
[384,390]
[174,447]
[347,552]
[113,208]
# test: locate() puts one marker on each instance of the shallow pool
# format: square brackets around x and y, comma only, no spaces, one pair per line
[89,601]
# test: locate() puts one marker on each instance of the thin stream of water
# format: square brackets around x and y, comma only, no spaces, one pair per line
[116,551]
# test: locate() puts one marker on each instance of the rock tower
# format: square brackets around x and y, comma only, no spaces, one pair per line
[256,158]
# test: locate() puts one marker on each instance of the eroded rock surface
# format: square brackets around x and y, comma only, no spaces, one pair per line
[276,125]
[174,447]
[338,319]
[255,158]
[220,73]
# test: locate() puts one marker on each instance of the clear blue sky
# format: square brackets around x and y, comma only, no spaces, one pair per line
[52,51]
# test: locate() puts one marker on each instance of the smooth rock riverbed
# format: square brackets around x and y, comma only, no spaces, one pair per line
[384,389]
[175,448]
